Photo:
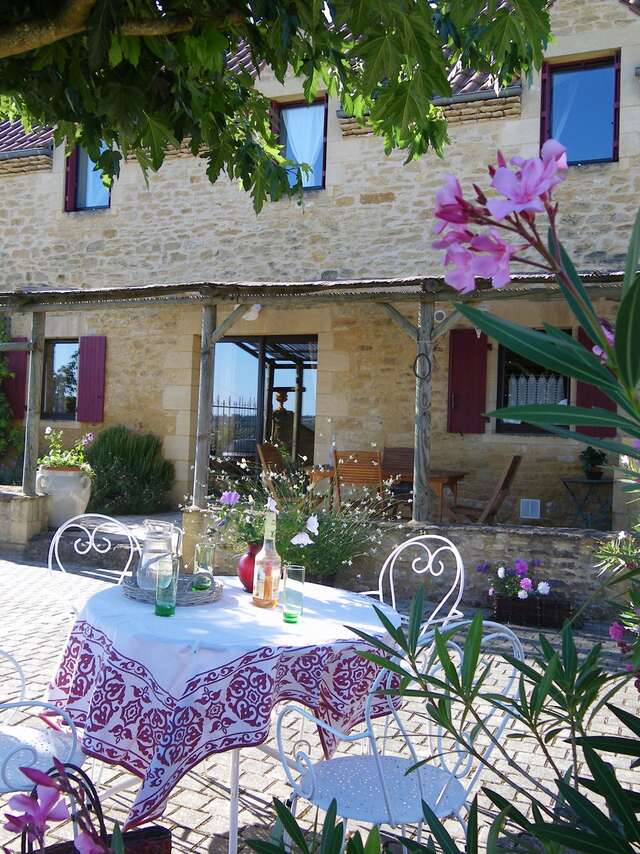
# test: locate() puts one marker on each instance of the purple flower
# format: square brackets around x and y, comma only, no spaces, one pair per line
[526,584]
[35,814]
[616,630]
[86,844]
[229,497]
[87,439]
[510,572]
[483,567]
[521,566]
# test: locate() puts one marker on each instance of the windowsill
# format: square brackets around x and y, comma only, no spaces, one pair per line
[67,419]
[90,210]
[592,162]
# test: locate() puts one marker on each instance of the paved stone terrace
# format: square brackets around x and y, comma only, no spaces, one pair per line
[33,630]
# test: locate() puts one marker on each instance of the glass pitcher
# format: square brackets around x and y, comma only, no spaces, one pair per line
[162,541]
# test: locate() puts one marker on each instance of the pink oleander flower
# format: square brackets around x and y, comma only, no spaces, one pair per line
[521,566]
[84,843]
[532,179]
[455,235]
[616,631]
[461,276]
[32,815]
[494,264]
[610,337]
[526,584]
[450,205]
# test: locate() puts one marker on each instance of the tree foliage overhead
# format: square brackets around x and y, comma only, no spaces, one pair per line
[143,75]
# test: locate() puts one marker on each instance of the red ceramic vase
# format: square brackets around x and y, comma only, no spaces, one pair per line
[246,565]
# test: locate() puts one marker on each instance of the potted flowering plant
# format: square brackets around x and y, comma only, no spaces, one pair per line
[519,595]
[65,476]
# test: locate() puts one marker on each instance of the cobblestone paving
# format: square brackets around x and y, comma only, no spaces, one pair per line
[33,629]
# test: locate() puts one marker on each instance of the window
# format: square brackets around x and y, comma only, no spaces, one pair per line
[303,133]
[521,382]
[84,189]
[580,107]
[61,379]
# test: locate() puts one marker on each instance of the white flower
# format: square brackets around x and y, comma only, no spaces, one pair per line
[624,460]
[301,539]
[271,505]
[48,431]
[522,594]
[501,572]
[622,535]
[303,458]
[312,524]
[543,588]
[250,499]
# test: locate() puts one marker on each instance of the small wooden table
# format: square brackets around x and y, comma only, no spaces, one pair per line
[441,479]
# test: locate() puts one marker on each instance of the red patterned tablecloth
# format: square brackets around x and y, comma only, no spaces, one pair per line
[158,695]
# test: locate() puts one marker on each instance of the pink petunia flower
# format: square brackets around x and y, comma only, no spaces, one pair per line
[526,584]
[461,276]
[450,205]
[616,630]
[33,815]
[495,264]
[84,843]
[524,188]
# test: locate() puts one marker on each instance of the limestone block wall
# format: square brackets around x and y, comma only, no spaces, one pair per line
[21,516]
[566,558]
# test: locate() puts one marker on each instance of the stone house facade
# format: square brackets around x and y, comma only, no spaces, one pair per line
[372,218]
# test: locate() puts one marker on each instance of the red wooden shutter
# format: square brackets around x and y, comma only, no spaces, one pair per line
[15,387]
[71,180]
[274,118]
[467,381]
[545,103]
[588,395]
[90,407]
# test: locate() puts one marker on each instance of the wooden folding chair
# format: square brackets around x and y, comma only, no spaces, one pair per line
[357,468]
[488,513]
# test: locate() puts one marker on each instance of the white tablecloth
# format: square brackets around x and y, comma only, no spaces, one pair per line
[157,695]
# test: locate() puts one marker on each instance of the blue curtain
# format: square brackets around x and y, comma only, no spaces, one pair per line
[304,140]
[91,192]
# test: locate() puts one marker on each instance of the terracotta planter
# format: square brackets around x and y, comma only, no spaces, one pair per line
[246,566]
[68,491]
[548,612]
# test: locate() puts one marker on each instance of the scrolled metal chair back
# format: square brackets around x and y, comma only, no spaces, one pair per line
[436,558]
[95,533]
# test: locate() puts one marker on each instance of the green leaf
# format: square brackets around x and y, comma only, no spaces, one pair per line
[131,49]
[115,50]
[545,350]
[627,341]
[612,744]
[605,444]
[471,845]
[629,720]
[571,838]
[570,415]
[291,826]
[471,652]
[445,660]
[613,793]
[157,137]
[372,845]
[540,692]
[577,296]
[117,842]
[507,807]
[592,816]
[569,652]
[415,618]
[633,253]
[446,843]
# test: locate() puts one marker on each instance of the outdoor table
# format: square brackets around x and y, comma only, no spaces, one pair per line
[591,501]
[157,695]
[439,480]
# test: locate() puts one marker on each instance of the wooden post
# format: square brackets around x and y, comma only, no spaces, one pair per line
[260,407]
[205,408]
[423,365]
[34,403]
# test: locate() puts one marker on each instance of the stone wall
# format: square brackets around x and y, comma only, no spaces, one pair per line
[566,558]
[21,516]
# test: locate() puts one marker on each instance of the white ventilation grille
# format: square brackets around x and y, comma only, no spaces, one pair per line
[529,508]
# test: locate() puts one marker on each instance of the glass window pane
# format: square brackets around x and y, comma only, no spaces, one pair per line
[61,379]
[523,382]
[303,138]
[235,412]
[90,191]
[582,111]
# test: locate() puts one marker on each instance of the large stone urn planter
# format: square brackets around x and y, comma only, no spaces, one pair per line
[67,490]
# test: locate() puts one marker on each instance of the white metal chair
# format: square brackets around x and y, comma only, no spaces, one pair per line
[378,787]
[22,745]
[96,533]
[436,556]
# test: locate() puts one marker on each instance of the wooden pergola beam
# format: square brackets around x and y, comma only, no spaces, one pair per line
[400,320]
[447,324]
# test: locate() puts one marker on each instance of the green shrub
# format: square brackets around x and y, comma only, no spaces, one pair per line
[131,475]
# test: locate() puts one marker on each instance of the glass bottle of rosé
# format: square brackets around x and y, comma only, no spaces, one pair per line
[266,576]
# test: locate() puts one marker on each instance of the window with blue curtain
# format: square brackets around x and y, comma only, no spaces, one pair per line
[302,133]
[90,191]
[583,110]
